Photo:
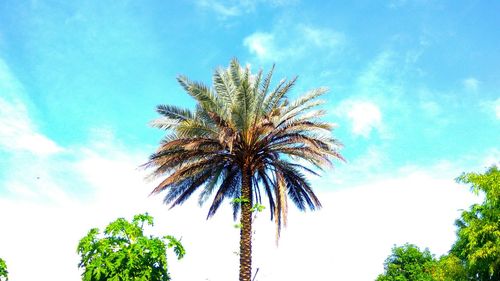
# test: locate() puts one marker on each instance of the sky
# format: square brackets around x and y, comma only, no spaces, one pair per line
[414,93]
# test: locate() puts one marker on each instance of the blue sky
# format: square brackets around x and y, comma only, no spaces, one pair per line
[414,91]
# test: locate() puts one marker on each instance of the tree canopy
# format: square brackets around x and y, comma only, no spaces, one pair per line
[478,234]
[408,263]
[449,268]
[476,253]
[3,271]
[124,253]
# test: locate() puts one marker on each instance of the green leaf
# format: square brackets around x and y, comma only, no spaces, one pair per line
[124,253]
[257,207]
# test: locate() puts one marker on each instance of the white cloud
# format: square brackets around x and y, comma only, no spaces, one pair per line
[223,10]
[60,199]
[491,107]
[414,205]
[322,37]
[364,116]
[379,82]
[431,108]
[492,158]
[17,131]
[226,9]
[286,42]
[471,84]
[372,81]
[496,108]
[261,45]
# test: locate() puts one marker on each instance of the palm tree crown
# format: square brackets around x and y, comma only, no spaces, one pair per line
[241,142]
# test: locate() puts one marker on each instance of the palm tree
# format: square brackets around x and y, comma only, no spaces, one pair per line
[240,142]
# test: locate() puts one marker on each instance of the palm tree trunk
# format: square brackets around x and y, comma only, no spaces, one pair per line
[246,227]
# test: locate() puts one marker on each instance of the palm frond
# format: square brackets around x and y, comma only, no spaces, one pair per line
[273,100]
[281,210]
[243,123]
[187,171]
[224,87]
[164,123]
[196,182]
[200,93]
[174,112]
[305,101]
[268,188]
[228,188]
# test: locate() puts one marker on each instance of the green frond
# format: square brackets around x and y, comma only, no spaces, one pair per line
[302,113]
[302,125]
[202,94]
[164,123]
[194,129]
[271,97]
[304,100]
[273,100]
[235,72]
[224,87]
[264,87]
[174,112]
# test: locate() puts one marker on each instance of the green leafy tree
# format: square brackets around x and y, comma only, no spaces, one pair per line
[124,253]
[3,271]
[240,142]
[408,263]
[450,268]
[478,234]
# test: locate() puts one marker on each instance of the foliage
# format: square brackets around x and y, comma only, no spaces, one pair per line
[125,253]
[408,263]
[478,234]
[240,142]
[449,268]
[3,271]
[476,253]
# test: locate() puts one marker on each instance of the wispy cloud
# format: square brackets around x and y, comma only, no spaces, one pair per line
[384,201]
[322,37]
[232,8]
[496,106]
[430,108]
[374,80]
[471,84]
[221,9]
[262,45]
[18,132]
[491,107]
[61,198]
[292,42]
[364,116]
